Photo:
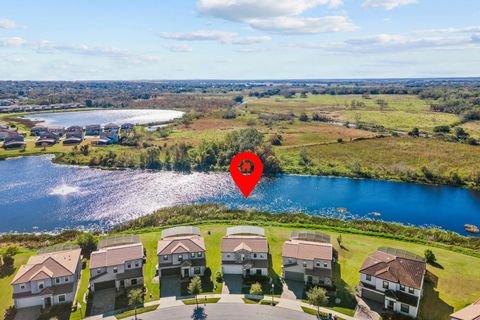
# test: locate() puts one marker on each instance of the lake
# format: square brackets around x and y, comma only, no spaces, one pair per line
[103,117]
[38,195]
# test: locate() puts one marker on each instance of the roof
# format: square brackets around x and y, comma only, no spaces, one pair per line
[307,250]
[403,270]
[114,256]
[112,125]
[471,312]
[182,244]
[48,265]
[249,243]
[245,230]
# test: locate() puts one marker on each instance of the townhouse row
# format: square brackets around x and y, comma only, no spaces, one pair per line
[391,277]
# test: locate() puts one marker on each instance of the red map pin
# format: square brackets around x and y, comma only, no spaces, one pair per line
[246,169]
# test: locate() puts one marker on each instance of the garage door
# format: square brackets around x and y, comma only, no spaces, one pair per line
[170,272]
[295,276]
[104,285]
[373,296]
[232,269]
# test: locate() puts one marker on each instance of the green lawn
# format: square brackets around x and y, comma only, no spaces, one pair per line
[149,241]
[131,313]
[200,301]
[80,313]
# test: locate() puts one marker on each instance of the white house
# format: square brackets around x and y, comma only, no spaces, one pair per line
[47,279]
[394,278]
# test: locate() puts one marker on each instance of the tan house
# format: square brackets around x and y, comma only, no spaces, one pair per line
[49,278]
[394,278]
[472,312]
[308,257]
[117,264]
[245,251]
[181,252]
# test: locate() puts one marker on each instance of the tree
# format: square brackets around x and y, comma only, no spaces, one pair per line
[276,139]
[195,287]
[339,240]
[430,256]
[256,289]
[442,129]
[317,296]
[461,134]
[87,242]
[84,149]
[135,297]
[238,99]
[414,133]
[303,117]
[8,253]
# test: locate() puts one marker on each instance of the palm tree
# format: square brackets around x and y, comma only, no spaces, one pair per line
[317,296]
[135,297]
[195,287]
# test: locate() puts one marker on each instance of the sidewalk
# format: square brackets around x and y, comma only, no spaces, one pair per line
[295,305]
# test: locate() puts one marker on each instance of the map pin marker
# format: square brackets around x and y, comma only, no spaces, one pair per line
[246,169]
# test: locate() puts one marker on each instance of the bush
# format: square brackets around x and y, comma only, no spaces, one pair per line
[303,117]
[256,289]
[430,256]
[276,140]
[219,277]
[87,242]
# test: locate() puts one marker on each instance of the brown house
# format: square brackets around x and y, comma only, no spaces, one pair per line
[472,312]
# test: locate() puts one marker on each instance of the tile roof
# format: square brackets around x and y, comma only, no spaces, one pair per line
[48,265]
[307,250]
[183,244]
[249,243]
[114,256]
[471,312]
[406,271]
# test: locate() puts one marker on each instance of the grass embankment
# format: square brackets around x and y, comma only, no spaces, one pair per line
[131,313]
[200,301]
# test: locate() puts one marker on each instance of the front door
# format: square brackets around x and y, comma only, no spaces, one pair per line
[122,283]
[186,273]
[47,302]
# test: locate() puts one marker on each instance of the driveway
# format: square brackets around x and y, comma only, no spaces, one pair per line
[292,290]
[232,284]
[103,301]
[224,311]
[170,286]
[27,313]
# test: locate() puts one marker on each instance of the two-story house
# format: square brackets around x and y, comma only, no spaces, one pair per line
[394,278]
[48,279]
[112,128]
[116,265]
[181,252]
[245,251]
[93,130]
[471,312]
[308,257]
[38,130]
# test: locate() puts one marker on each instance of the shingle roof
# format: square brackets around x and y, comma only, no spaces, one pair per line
[48,265]
[183,244]
[389,267]
[114,256]
[307,250]
[472,312]
[249,243]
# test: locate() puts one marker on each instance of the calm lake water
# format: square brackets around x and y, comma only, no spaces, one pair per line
[39,195]
[102,117]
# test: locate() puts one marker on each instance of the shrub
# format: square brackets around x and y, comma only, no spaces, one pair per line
[430,256]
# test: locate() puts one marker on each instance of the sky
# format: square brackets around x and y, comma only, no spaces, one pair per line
[238,39]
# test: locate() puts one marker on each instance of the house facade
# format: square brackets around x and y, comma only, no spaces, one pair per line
[245,251]
[93,130]
[181,252]
[395,279]
[47,279]
[13,140]
[309,261]
[117,266]
[58,130]
[471,312]
[38,130]
[112,128]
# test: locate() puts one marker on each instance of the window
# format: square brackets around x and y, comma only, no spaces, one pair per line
[402,287]
[318,264]
[22,286]
[411,290]
[129,265]
[192,255]
[57,280]
[369,277]
[325,265]
[99,270]
[115,270]
[259,272]
[165,258]
[196,270]
[385,284]
[304,264]
[405,308]
[61,298]
[290,260]
[199,254]
[180,258]
[137,264]
[40,285]
[133,282]
[228,256]
[66,279]
[254,255]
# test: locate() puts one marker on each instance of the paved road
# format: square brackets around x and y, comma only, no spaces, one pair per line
[226,311]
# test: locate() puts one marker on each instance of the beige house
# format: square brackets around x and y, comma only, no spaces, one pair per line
[181,252]
[117,264]
[308,257]
[245,251]
[472,312]
[48,278]
[394,278]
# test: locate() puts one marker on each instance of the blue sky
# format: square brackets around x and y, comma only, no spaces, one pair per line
[238,39]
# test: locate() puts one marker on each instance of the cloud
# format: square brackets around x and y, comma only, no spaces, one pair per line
[179,48]
[299,25]
[8,24]
[214,35]
[386,4]
[243,10]
[12,42]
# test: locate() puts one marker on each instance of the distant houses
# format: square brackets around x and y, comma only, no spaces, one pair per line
[48,278]
[394,278]
[245,251]
[308,257]
[181,252]
[117,264]
[93,130]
